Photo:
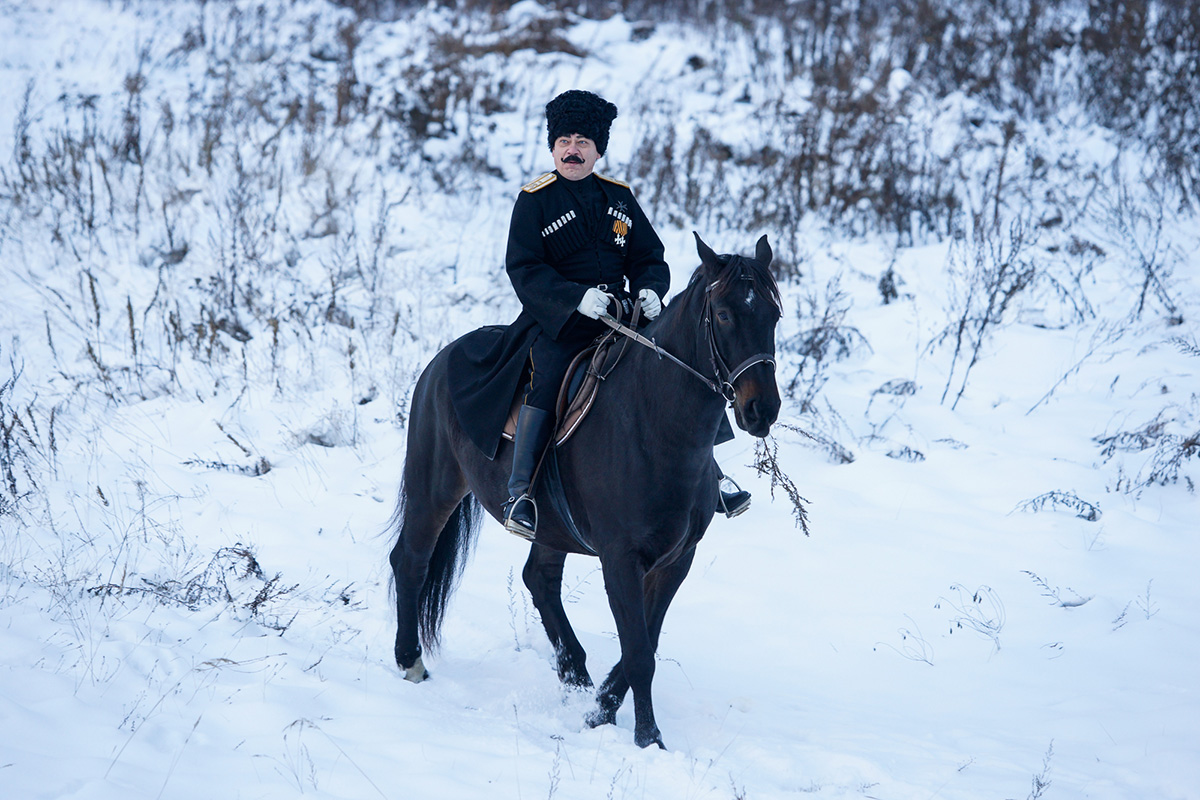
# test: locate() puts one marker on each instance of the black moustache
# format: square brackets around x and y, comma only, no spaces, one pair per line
[572,160]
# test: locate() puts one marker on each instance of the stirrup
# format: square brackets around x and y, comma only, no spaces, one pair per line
[731,503]
[518,527]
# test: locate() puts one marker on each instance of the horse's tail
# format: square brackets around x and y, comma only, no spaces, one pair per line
[446,565]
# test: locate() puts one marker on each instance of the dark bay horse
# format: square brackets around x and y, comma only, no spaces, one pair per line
[639,479]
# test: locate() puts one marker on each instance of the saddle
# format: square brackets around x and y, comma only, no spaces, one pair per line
[575,397]
[578,391]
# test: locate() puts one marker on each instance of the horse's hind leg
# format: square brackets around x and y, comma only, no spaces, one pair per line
[408,569]
[660,587]
[543,574]
[410,565]
[431,498]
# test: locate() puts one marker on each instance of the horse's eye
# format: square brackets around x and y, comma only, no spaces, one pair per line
[723,316]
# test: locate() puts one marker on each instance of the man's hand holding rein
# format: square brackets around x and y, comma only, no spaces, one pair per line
[594,303]
[651,304]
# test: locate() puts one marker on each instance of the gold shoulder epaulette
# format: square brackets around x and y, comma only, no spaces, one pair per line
[540,183]
[611,180]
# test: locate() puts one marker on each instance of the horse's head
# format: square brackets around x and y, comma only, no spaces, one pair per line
[742,308]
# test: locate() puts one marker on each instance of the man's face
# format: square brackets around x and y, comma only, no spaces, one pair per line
[574,156]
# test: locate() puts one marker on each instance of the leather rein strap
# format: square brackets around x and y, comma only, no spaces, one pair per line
[721,385]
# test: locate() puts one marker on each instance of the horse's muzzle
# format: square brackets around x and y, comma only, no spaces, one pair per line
[757,405]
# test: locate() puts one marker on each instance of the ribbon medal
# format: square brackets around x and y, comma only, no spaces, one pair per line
[620,226]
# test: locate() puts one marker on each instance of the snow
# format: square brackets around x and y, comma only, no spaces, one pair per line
[174,624]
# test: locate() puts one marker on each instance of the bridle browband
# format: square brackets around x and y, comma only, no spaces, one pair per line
[723,377]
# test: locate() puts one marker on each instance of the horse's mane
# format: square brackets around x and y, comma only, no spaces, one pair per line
[734,268]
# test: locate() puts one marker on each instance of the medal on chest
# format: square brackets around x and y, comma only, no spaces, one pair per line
[621,223]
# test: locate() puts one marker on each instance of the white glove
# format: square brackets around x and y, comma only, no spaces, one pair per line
[594,303]
[651,305]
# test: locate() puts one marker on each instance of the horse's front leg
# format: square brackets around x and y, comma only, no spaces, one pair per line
[623,582]
[660,588]
[543,577]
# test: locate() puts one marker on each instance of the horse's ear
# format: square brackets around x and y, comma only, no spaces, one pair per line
[707,257]
[762,252]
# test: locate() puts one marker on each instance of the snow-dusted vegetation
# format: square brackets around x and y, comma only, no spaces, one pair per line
[233,233]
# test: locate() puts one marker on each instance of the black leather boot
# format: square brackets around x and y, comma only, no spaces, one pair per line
[733,502]
[534,426]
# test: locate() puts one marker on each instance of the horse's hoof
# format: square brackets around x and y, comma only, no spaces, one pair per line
[575,680]
[647,739]
[417,672]
[600,717]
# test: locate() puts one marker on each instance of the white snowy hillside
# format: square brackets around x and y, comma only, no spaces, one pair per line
[232,233]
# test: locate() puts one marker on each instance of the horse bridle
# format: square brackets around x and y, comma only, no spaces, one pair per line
[724,385]
[723,377]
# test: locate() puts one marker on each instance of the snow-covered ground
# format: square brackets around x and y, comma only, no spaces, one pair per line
[998,598]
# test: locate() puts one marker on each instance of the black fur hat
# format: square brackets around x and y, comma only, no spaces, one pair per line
[576,111]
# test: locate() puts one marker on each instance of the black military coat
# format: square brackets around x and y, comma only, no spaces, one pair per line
[555,253]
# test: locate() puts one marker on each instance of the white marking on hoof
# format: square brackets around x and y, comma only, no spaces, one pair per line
[417,672]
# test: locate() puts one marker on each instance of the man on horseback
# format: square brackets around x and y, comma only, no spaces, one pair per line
[577,242]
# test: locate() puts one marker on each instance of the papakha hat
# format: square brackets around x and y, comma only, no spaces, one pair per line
[585,113]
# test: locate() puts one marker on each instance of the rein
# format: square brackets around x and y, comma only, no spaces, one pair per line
[721,385]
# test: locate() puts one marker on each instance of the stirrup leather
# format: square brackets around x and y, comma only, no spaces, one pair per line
[518,527]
